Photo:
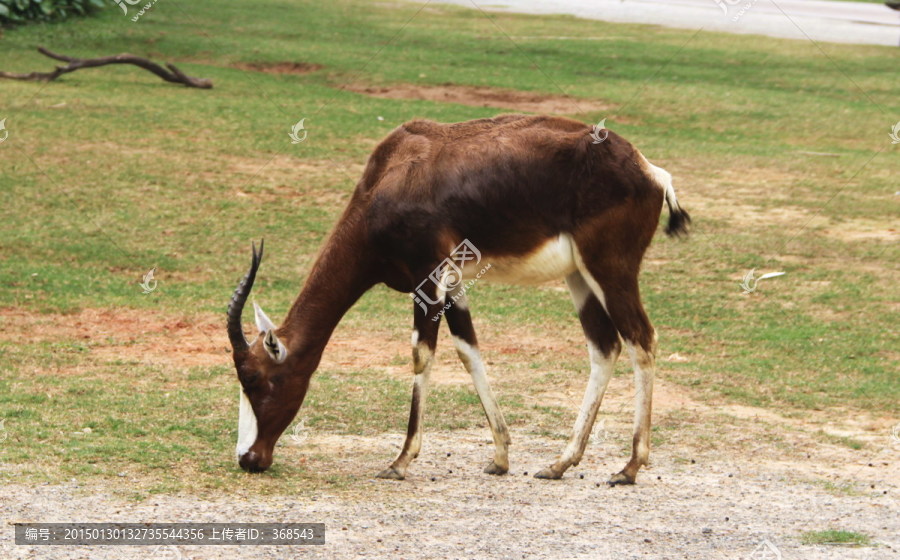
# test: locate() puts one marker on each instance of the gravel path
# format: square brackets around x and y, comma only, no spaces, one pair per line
[717,507]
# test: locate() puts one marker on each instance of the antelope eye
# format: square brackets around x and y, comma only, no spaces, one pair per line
[248,378]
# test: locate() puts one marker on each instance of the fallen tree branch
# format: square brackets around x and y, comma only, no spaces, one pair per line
[173,74]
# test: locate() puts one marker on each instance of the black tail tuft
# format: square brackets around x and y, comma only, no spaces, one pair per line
[678,222]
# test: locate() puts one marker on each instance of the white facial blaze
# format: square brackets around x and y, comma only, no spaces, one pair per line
[246,426]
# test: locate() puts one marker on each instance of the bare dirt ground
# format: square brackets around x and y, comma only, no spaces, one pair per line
[729,480]
[484,97]
[279,67]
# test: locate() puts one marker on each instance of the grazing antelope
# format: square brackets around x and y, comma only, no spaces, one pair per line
[539,198]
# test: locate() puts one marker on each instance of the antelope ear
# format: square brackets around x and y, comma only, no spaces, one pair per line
[263,323]
[274,347]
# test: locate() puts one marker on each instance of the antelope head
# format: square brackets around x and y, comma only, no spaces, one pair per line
[272,384]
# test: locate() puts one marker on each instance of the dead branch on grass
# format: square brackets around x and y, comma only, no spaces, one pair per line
[173,74]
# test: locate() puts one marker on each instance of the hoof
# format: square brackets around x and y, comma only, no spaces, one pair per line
[494,469]
[620,478]
[548,474]
[390,473]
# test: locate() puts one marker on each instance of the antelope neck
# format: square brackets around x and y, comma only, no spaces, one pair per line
[340,276]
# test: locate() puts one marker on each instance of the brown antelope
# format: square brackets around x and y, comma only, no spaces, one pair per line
[539,198]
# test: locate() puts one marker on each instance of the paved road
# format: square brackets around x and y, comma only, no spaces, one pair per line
[837,22]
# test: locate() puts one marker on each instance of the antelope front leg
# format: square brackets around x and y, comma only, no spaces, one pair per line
[460,322]
[424,340]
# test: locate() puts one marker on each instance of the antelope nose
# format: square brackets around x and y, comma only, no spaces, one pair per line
[250,462]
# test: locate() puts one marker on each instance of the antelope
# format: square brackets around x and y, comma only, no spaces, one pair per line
[539,198]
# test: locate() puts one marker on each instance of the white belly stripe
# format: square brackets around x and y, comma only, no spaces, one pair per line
[552,261]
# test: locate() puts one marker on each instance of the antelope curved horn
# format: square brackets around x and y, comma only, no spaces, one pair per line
[239,342]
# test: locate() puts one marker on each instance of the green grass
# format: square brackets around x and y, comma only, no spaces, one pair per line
[835,537]
[842,440]
[109,172]
[840,490]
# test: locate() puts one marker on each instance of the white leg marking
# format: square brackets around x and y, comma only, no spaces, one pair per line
[643,400]
[247,429]
[423,357]
[602,368]
[420,384]
[471,359]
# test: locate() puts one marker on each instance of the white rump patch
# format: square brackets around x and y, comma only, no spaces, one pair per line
[553,260]
[247,429]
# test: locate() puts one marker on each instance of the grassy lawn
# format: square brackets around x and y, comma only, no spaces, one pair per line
[779,148]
